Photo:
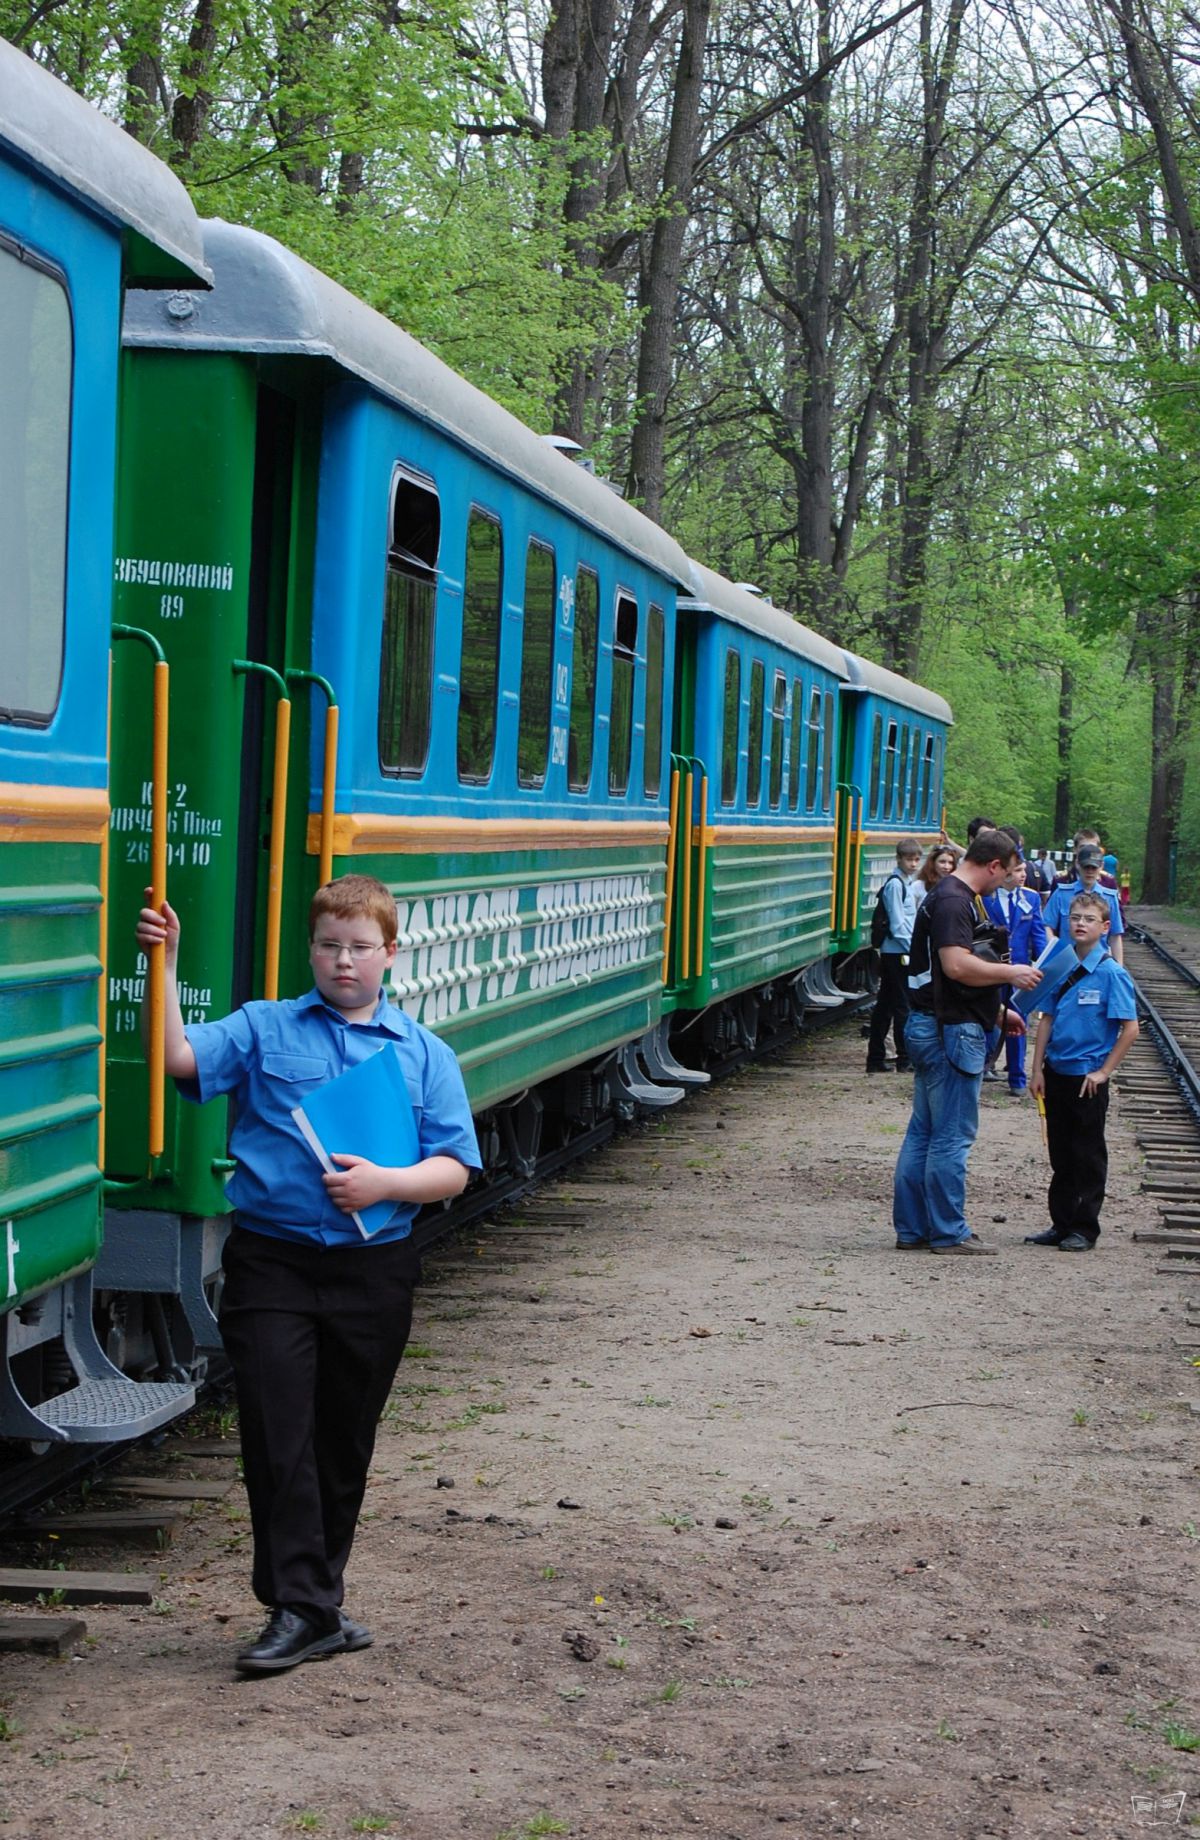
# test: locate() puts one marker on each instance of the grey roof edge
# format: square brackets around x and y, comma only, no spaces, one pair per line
[48,124]
[864,675]
[268,301]
[712,593]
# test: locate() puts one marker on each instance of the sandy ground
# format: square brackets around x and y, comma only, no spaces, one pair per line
[756,1528]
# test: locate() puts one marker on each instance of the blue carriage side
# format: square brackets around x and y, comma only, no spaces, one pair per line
[84,212]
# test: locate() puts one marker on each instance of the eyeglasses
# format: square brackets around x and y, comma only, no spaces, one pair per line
[333,948]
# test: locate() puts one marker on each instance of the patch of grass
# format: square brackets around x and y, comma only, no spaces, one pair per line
[946,1730]
[1179,1737]
[683,1521]
[572,1692]
[1080,1417]
[671,1692]
[547,1571]
[10,1728]
[308,1821]
[419,1351]
[371,1824]
[534,1828]
[648,1399]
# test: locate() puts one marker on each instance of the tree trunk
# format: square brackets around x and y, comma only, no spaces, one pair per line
[658,287]
[189,117]
[1062,781]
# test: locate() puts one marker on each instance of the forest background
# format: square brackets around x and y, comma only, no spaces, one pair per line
[891,309]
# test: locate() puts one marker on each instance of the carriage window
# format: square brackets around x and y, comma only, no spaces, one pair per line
[35,443]
[758,681]
[927,780]
[480,648]
[537,650]
[778,718]
[914,759]
[876,765]
[814,748]
[889,770]
[620,726]
[732,724]
[406,661]
[655,648]
[902,772]
[827,792]
[797,743]
[936,808]
[583,679]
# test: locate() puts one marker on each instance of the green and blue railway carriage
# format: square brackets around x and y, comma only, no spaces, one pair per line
[891,785]
[495,627]
[755,772]
[84,213]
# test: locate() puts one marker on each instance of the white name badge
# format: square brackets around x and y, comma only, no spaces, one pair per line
[1088,996]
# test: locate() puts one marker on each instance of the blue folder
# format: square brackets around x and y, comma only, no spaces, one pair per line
[1055,963]
[367,1112]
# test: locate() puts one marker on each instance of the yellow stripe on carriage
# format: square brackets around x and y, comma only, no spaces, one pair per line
[378,834]
[52,814]
[767,833]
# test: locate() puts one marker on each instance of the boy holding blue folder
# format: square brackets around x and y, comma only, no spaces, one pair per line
[1088,1024]
[314,1315]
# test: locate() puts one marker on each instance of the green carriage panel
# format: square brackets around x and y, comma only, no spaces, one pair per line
[765,912]
[527,962]
[184,574]
[50,970]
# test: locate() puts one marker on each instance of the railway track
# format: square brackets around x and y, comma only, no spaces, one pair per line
[1160,1099]
[28,1480]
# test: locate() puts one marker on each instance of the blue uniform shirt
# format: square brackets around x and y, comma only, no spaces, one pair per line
[1058,907]
[1087,1018]
[269,1056]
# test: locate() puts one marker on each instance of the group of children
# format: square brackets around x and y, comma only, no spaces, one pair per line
[315,1315]
[1087,1018]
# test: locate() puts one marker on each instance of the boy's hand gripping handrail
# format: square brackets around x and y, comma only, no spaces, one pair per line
[156,958]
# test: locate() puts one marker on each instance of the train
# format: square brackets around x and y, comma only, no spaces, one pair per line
[293,598]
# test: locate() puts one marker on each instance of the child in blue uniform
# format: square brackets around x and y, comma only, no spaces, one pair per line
[315,1318]
[1088,860]
[1087,1027]
[1019,910]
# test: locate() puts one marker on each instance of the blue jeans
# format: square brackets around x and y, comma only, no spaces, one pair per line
[930,1184]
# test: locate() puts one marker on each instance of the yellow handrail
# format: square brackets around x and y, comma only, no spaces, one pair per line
[669,894]
[686,878]
[157,957]
[283,730]
[328,770]
[701,866]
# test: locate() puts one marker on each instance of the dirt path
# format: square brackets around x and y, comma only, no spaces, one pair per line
[756,1528]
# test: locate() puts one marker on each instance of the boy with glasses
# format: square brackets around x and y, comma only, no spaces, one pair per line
[314,1317]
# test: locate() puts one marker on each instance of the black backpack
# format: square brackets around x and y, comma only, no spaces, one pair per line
[880,924]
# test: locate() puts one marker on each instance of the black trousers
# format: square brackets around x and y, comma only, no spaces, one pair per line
[890,1011]
[314,1335]
[1078,1154]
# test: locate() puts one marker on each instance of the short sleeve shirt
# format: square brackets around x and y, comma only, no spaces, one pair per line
[1087,1018]
[1058,907]
[269,1056]
[952,918]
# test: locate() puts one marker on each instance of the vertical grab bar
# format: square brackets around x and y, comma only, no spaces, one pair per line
[328,769]
[701,868]
[283,730]
[669,894]
[156,965]
[686,877]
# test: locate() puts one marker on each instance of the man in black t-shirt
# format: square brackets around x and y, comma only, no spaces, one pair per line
[955,999]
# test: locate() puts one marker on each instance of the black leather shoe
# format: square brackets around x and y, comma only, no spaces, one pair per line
[354,1635]
[1049,1238]
[882,1067]
[288,1639]
[1075,1242]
